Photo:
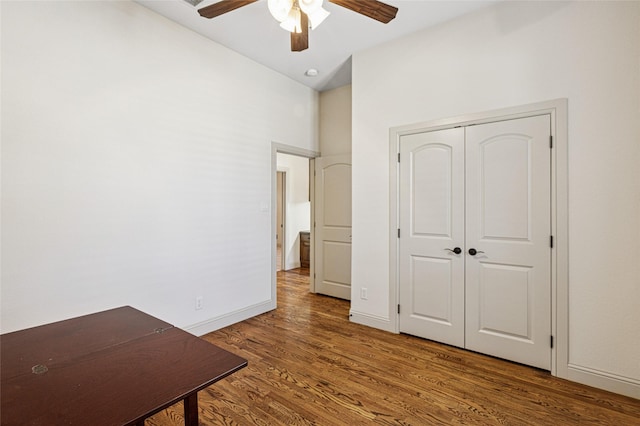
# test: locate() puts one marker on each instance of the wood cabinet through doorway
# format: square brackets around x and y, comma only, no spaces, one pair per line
[305,249]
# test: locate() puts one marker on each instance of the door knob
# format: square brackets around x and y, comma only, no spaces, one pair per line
[473,251]
[456,250]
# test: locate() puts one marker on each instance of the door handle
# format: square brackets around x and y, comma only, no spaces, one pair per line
[456,250]
[473,251]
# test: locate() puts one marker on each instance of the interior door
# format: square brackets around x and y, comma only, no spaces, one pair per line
[332,237]
[432,228]
[508,225]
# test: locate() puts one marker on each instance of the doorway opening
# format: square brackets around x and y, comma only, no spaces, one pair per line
[292,209]
[293,212]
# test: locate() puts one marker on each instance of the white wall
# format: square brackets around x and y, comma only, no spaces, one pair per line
[298,205]
[511,54]
[136,166]
[335,121]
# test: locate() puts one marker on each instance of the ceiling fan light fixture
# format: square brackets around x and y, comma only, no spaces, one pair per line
[314,10]
[298,16]
[317,17]
[280,9]
[292,23]
[310,6]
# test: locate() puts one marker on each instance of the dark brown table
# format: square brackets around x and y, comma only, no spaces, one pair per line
[115,367]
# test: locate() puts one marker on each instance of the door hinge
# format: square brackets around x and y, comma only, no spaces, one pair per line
[550,141]
[398,232]
[551,341]
[551,241]
[398,308]
[398,157]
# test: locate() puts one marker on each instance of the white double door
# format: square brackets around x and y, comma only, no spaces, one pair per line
[475,253]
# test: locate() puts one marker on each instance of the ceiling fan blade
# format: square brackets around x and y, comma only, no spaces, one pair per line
[300,41]
[222,7]
[372,8]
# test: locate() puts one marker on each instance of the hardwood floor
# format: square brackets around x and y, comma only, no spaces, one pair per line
[308,365]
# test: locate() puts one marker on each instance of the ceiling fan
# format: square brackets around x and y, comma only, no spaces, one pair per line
[296,16]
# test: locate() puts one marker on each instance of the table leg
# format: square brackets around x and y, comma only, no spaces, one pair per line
[191,410]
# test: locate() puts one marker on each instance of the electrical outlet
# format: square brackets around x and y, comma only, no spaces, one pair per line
[363,293]
[199,303]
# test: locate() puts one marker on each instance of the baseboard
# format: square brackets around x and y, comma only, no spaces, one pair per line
[604,380]
[294,265]
[213,324]
[372,321]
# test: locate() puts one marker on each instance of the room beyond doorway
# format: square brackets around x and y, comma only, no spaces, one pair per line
[293,212]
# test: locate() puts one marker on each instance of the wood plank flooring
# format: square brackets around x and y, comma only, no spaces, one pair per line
[308,365]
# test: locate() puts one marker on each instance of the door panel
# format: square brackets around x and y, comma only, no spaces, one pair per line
[333,226]
[432,220]
[336,266]
[505,187]
[505,300]
[430,177]
[431,299]
[336,184]
[508,204]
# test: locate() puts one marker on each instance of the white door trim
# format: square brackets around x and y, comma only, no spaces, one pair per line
[557,109]
[283,205]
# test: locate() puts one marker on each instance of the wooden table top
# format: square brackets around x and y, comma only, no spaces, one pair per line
[115,367]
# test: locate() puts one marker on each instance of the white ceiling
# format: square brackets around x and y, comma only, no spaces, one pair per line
[254,33]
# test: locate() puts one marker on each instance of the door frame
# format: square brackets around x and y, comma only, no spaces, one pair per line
[557,109]
[282,205]
[300,152]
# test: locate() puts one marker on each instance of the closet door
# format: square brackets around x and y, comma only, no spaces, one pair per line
[508,229]
[432,231]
